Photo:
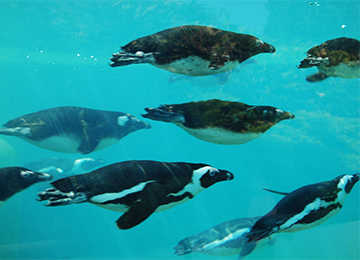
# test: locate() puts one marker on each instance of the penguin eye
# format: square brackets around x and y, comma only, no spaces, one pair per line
[258,42]
[25,174]
[212,172]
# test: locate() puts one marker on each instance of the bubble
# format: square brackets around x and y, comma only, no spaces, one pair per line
[78,55]
[343,26]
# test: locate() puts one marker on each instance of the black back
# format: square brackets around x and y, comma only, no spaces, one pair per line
[125,175]
[202,41]
[72,120]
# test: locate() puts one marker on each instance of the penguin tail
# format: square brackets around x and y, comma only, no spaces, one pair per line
[312,61]
[124,58]
[257,234]
[65,191]
[161,114]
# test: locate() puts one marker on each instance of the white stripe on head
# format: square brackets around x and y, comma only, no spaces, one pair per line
[194,186]
[122,120]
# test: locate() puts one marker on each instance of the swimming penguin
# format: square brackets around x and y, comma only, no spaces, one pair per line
[137,188]
[220,122]
[73,129]
[304,208]
[16,179]
[56,165]
[225,239]
[339,57]
[192,50]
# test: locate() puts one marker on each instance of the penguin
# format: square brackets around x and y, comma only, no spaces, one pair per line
[220,122]
[304,208]
[192,50]
[138,188]
[72,129]
[16,179]
[58,165]
[225,239]
[339,57]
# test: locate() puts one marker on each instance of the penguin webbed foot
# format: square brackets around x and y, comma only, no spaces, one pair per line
[124,58]
[159,114]
[59,198]
[319,76]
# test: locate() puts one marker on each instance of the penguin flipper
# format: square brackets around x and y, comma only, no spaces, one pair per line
[218,61]
[124,58]
[319,76]
[89,140]
[277,192]
[247,249]
[56,197]
[142,208]
[161,114]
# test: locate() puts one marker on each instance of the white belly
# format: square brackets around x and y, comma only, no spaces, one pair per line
[220,136]
[68,144]
[349,71]
[57,144]
[195,66]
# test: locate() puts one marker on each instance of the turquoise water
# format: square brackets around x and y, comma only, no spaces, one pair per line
[56,53]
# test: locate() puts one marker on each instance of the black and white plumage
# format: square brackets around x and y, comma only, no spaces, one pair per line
[65,166]
[192,50]
[227,238]
[72,129]
[306,207]
[138,188]
[338,57]
[220,122]
[16,179]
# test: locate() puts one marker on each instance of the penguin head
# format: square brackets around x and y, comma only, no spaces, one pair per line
[20,178]
[256,46]
[209,175]
[272,114]
[347,181]
[130,123]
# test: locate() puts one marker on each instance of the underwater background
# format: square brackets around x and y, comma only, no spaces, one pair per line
[56,53]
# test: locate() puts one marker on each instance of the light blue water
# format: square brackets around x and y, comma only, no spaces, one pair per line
[55,53]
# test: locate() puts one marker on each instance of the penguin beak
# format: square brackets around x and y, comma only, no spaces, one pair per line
[287,115]
[271,49]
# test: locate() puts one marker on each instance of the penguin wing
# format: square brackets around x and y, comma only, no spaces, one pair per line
[247,249]
[149,200]
[90,139]
[218,61]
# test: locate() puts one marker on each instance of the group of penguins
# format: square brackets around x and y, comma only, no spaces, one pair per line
[140,188]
